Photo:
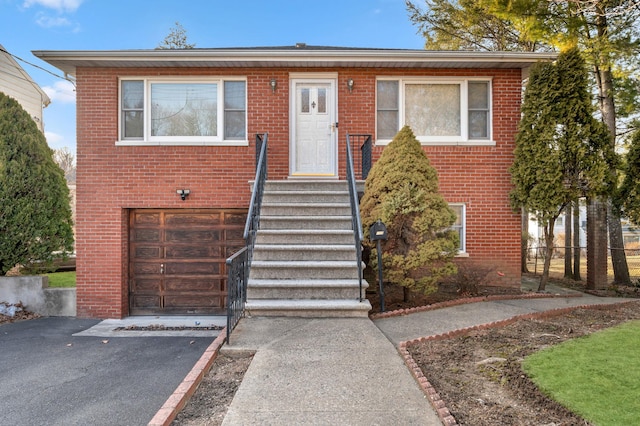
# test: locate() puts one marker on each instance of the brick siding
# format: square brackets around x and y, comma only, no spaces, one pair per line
[113,179]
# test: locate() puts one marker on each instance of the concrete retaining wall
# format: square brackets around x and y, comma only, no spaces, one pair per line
[35,295]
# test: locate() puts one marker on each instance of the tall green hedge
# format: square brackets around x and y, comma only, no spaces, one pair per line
[35,215]
[402,191]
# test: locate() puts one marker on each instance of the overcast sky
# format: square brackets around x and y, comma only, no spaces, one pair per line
[135,24]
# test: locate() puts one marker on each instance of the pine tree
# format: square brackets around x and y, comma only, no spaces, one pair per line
[629,195]
[176,39]
[402,191]
[35,216]
[562,152]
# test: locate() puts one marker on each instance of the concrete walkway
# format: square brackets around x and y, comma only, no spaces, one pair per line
[348,371]
[323,372]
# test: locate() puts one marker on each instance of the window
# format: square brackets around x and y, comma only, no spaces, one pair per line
[438,111]
[182,112]
[460,224]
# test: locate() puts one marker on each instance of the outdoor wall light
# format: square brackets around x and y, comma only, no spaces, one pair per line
[350,85]
[273,83]
[183,193]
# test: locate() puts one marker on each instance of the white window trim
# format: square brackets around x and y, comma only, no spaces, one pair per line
[462,140]
[463,238]
[149,140]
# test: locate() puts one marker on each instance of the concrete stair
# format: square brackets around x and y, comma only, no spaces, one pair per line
[304,260]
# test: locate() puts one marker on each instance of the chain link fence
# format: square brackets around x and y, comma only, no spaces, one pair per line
[535,262]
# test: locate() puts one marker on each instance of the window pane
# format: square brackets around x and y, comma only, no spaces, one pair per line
[132,94]
[458,226]
[478,124]
[133,124]
[388,112]
[478,95]
[433,109]
[322,101]
[234,125]
[387,94]
[234,95]
[234,110]
[184,109]
[304,100]
[387,124]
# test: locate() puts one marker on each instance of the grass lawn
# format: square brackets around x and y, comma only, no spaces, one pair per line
[62,279]
[596,376]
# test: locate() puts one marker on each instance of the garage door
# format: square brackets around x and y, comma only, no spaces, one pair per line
[177,259]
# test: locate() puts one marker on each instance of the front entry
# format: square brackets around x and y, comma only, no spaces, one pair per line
[314,132]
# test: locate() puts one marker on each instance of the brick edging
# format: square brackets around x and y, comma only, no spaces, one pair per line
[190,383]
[455,302]
[430,392]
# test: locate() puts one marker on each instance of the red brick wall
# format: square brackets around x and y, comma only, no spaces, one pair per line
[112,179]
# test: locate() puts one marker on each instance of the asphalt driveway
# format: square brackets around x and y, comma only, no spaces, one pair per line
[48,376]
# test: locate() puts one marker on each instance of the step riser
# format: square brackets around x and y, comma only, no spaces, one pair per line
[289,273]
[304,210]
[304,238]
[304,185]
[287,293]
[308,313]
[306,197]
[292,223]
[293,254]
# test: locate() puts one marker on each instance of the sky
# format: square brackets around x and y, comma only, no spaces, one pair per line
[29,25]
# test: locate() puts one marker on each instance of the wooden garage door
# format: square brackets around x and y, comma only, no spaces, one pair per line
[177,259]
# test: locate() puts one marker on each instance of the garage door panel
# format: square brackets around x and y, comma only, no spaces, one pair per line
[189,220]
[146,301]
[193,252]
[146,285]
[177,259]
[191,236]
[192,268]
[148,252]
[195,284]
[146,268]
[144,235]
[146,218]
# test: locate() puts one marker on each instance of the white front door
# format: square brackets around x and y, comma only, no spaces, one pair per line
[314,133]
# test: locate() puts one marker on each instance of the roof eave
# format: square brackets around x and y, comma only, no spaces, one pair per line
[68,61]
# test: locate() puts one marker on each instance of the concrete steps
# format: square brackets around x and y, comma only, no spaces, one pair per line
[304,260]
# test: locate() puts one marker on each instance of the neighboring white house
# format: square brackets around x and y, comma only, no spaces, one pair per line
[15,82]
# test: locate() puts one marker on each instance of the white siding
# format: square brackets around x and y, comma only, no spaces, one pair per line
[15,82]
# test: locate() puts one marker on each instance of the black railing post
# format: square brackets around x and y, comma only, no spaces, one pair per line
[356,223]
[239,263]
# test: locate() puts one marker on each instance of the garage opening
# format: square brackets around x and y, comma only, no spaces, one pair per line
[177,259]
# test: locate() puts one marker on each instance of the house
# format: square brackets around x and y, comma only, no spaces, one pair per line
[15,82]
[152,123]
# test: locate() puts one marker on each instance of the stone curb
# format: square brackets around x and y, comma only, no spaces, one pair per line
[456,302]
[190,383]
[430,392]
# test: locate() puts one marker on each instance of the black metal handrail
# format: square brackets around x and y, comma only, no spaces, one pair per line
[356,222]
[237,276]
[239,263]
[364,144]
[253,217]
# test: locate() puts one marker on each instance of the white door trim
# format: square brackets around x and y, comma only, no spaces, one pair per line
[311,78]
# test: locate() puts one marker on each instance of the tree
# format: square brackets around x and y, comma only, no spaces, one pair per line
[467,25]
[176,39]
[606,30]
[66,161]
[628,200]
[402,191]
[562,152]
[35,217]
